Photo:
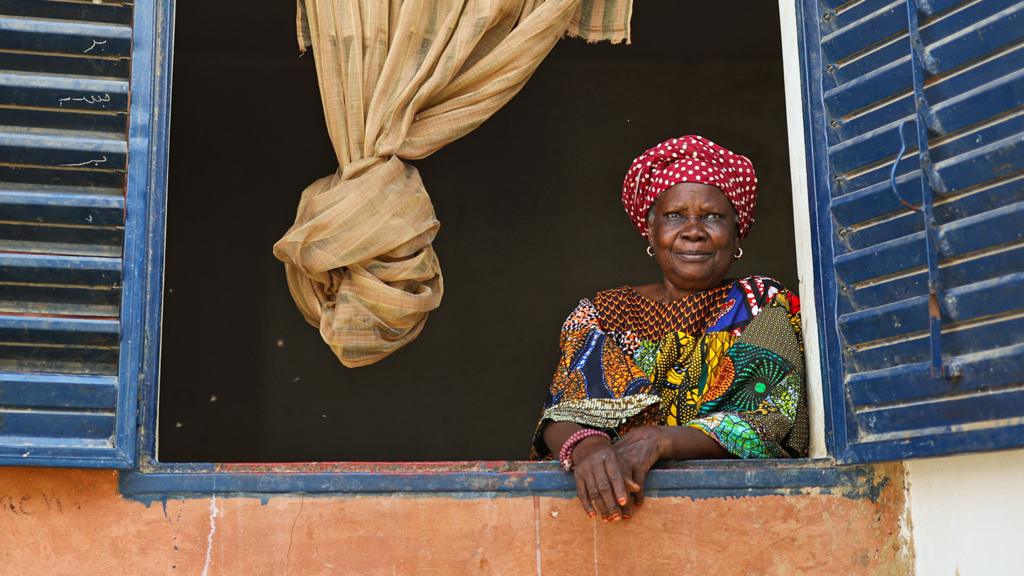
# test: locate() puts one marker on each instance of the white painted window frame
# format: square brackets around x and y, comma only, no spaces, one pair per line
[802,223]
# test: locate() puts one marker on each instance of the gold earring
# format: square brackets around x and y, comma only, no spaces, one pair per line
[738,254]
[650,251]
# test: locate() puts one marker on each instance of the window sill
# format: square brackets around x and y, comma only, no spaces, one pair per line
[695,479]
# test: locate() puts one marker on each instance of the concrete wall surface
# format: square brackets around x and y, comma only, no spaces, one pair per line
[967,514]
[63,522]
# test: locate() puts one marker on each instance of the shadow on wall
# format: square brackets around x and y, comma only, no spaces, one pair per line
[531,223]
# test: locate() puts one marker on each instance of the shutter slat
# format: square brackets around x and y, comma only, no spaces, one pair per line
[836,4]
[971,166]
[62,120]
[870,23]
[58,391]
[40,35]
[65,64]
[989,370]
[62,149]
[80,240]
[48,284]
[979,337]
[57,205]
[993,407]
[979,200]
[63,93]
[958,304]
[1001,132]
[959,272]
[67,176]
[65,73]
[100,12]
[992,228]
[75,426]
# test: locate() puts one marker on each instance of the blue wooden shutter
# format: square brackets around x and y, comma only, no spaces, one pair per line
[67,365]
[921,287]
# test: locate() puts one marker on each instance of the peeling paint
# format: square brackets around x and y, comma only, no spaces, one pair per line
[209,536]
[793,534]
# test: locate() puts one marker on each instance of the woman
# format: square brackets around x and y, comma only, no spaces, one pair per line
[694,366]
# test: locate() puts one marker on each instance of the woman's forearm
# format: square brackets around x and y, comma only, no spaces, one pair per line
[686,443]
[556,433]
[678,442]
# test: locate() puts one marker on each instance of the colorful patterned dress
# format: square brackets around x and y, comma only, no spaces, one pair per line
[727,361]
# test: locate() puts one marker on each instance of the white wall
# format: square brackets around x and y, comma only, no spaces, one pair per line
[967,514]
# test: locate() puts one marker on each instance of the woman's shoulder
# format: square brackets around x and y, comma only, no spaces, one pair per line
[758,292]
[583,316]
[764,287]
[621,293]
[589,312]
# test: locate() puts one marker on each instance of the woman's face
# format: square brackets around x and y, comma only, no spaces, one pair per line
[693,234]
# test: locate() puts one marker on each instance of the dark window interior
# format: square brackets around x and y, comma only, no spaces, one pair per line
[531,223]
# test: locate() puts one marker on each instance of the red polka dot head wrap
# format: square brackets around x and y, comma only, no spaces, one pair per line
[689,159]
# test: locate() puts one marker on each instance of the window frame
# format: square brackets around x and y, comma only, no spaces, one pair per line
[153,480]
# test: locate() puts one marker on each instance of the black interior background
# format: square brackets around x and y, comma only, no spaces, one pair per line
[531,223]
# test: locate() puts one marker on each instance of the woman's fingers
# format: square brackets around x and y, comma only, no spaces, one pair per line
[593,491]
[605,495]
[639,477]
[633,486]
[584,496]
[613,468]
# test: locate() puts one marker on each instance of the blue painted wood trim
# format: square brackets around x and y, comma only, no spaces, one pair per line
[156,212]
[839,427]
[941,443]
[819,196]
[63,456]
[697,479]
[136,235]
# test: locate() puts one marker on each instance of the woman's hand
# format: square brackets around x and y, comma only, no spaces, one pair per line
[603,479]
[607,474]
[639,450]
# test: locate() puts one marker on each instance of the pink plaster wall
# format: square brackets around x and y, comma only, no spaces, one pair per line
[64,522]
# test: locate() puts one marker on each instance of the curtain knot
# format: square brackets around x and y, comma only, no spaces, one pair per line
[359,261]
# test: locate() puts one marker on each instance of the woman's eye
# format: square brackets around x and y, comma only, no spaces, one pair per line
[672,215]
[712,216]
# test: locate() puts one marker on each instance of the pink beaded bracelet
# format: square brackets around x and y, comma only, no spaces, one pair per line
[565,453]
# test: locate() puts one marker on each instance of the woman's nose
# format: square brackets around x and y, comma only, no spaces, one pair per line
[693,229]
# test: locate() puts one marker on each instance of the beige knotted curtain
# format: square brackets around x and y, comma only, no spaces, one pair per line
[399,80]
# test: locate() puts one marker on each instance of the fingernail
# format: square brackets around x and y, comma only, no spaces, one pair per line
[624,517]
[622,501]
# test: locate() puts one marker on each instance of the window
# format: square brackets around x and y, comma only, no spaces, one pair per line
[525,233]
[68,390]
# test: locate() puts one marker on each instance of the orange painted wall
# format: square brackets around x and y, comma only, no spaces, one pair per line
[64,522]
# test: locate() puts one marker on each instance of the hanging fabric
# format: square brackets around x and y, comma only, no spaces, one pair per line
[399,80]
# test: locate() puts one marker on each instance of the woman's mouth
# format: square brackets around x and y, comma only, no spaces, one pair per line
[692,255]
